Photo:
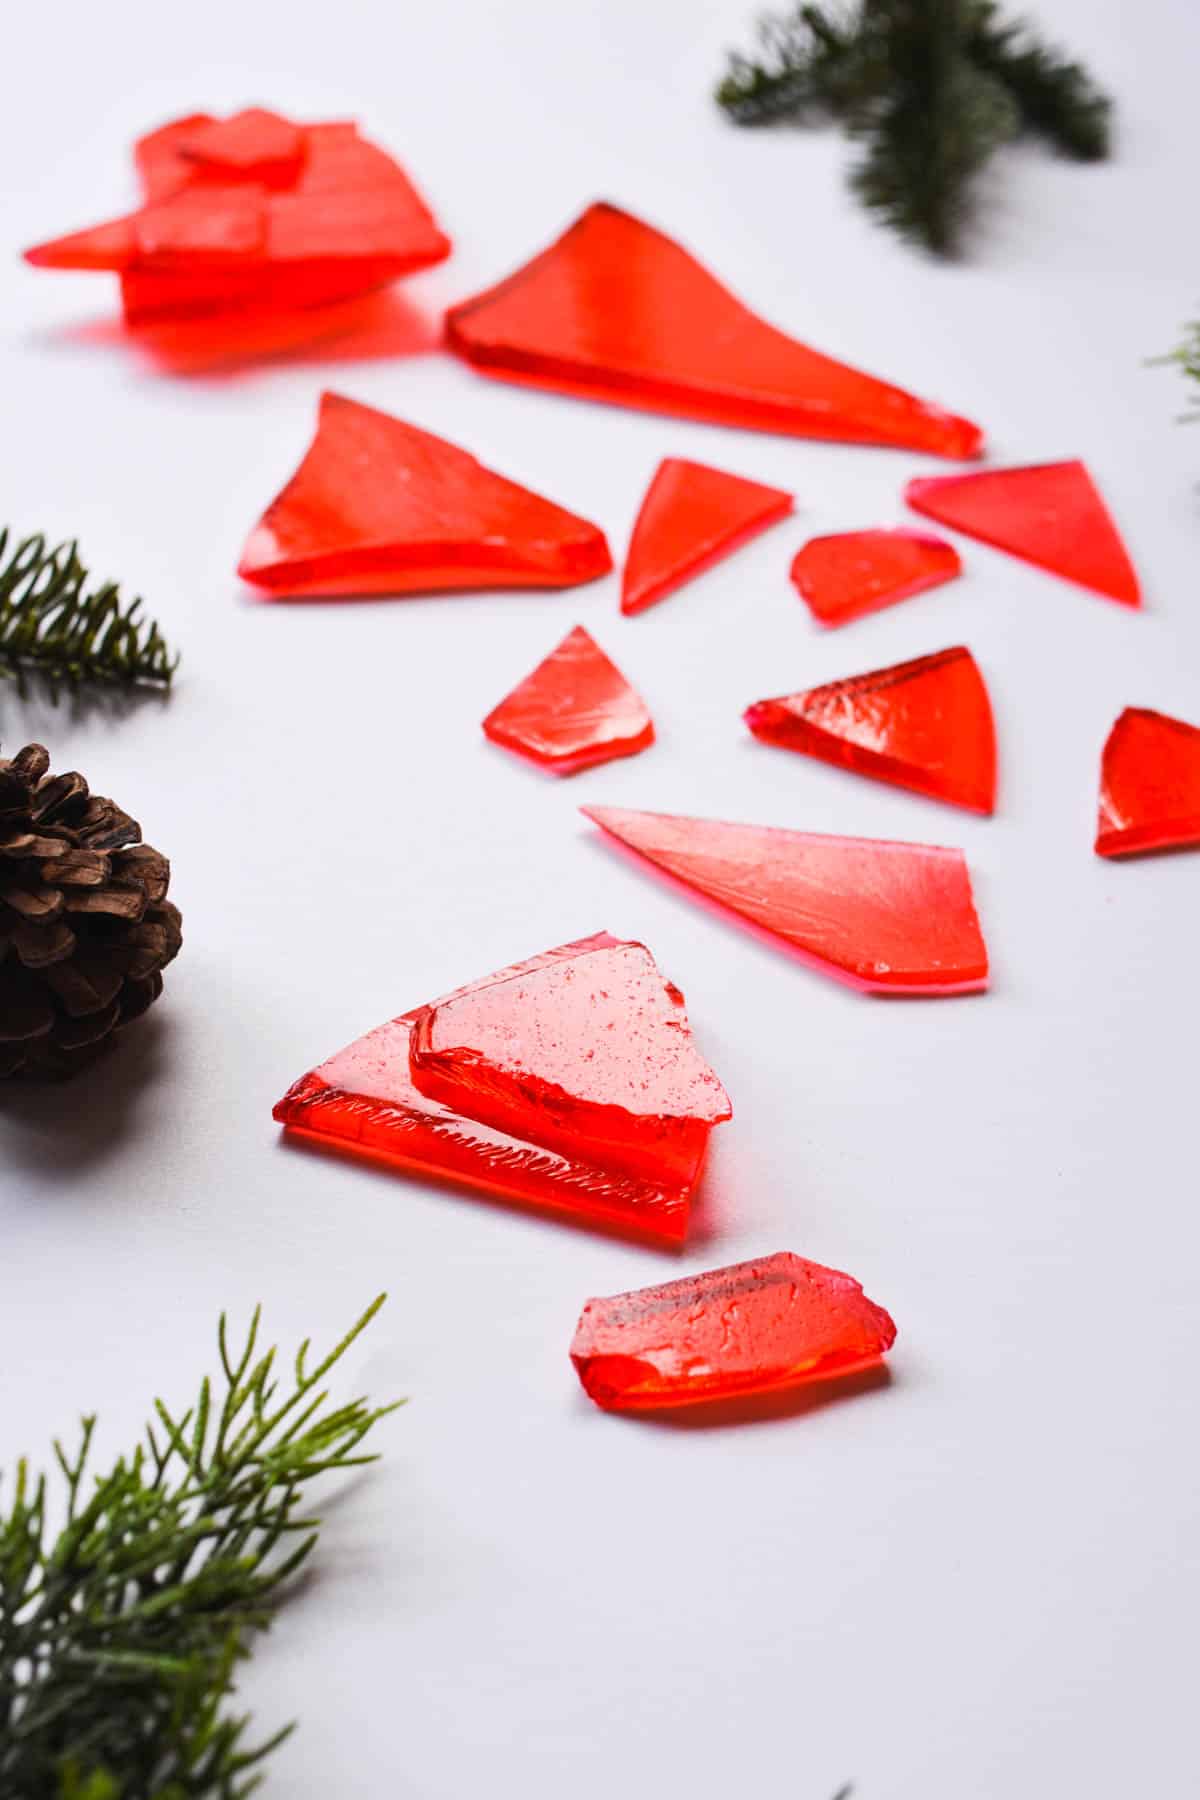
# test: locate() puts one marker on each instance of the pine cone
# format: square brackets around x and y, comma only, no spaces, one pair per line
[85,924]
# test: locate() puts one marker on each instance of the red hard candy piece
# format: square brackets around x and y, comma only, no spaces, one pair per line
[850,573]
[574,710]
[617,311]
[380,507]
[890,918]
[691,517]
[925,725]
[1149,785]
[751,1329]
[255,144]
[1051,515]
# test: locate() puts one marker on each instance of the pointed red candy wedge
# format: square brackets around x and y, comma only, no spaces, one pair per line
[691,517]
[888,918]
[925,725]
[380,507]
[615,310]
[1149,785]
[755,1328]
[851,573]
[1051,515]
[574,710]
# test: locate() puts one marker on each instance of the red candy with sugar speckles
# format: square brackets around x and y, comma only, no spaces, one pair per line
[1149,785]
[574,710]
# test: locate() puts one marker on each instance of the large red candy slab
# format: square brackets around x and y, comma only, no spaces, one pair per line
[755,1328]
[617,311]
[887,917]
[691,517]
[925,724]
[850,573]
[380,507]
[576,709]
[1149,785]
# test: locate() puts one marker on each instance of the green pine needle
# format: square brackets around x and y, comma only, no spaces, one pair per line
[120,1634]
[1186,356]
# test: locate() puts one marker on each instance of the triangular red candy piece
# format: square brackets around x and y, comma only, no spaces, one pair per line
[1149,785]
[255,144]
[851,573]
[575,709]
[1051,515]
[691,517]
[886,917]
[615,310]
[380,507]
[925,724]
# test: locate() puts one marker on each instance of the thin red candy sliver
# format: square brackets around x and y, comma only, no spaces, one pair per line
[574,710]
[690,517]
[1149,785]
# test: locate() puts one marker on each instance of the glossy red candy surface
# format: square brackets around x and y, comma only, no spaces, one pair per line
[754,1328]
[575,709]
[925,724]
[887,917]
[849,573]
[691,517]
[1149,785]
[380,507]
[615,310]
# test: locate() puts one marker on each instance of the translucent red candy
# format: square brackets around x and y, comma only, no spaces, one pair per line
[615,310]
[1149,785]
[755,1328]
[691,517]
[380,507]
[567,1082]
[574,710]
[925,724]
[1051,515]
[849,573]
[886,917]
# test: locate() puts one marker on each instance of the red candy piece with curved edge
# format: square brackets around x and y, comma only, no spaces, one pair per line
[1149,785]
[574,710]
[850,573]
[617,311]
[925,725]
[755,1328]
[1051,515]
[885,917]
[380,507]
[691,517]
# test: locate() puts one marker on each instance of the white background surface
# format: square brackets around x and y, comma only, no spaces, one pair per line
[980,1581]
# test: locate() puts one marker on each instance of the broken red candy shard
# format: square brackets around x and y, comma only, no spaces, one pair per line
[889,918]
[691,517]
[754,1328]
[381,507]
[925,724]
[617,311]
[1149,785]
[158,159]
[1051,515]
[850,573]
[254,144]
[574,710]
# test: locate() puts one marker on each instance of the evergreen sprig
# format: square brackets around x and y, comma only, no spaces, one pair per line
[120,1634]
[1186,356]
[50,627]
[930,87]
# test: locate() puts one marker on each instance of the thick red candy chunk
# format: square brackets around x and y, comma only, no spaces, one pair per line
[691,517]
[754,1328]
[1149,785]
[615,310]
[1051,515]
[576,709]
[886,917]
[925,724]
[381,507]
[850,573]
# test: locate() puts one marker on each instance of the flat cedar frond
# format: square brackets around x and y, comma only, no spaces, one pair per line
[121,1634]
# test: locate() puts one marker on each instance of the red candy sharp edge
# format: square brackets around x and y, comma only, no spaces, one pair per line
[851,573]
[574,710]
[691,517]
[1149,785]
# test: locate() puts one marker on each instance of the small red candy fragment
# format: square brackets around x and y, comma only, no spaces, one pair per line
[574,710]
[617,311]
[1149,785]
[925,724]
[1050,514]
[691,517]
[255,145]
[755,1328]
[381,507]
[888,918]
[850,573]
